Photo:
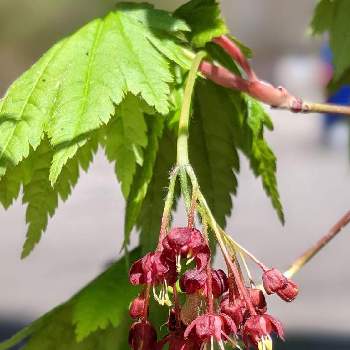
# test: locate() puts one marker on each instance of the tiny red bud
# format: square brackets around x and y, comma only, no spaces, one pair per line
[273,280]
[142,336]
[193,280]
[219,283]
[137,307]
[236,310]
[258,300]
[289,292]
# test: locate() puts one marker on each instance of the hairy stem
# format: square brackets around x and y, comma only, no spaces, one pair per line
[182,140]
[168,205]
[311,252]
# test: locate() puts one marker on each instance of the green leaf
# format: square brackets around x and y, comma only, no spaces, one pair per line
[41,198]
[105,301]
[263,163]
[340,38]
[10,185]
[252,143]
[95,318]
[72,90]
[25,109]
[143,177]
[332,16]
[157,19]
[212,149]
[151,212]
[126,137]
[323,17]
[204,18]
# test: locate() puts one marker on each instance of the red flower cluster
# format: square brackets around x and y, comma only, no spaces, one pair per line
[217,307]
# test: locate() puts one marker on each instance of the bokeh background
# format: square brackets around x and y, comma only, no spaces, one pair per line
[313,173]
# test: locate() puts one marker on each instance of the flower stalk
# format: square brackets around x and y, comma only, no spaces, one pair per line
[318,246]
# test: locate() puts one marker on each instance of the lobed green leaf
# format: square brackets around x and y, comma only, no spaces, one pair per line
[95,318]
[204,18]
[212,149]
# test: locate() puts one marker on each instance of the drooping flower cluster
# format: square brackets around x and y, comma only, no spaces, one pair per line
[218,307]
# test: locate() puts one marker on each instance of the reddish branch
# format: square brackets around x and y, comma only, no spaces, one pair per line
[312,251]
[276,97]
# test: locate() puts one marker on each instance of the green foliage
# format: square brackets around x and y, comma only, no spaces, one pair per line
[204,17]
[95,318]
[143,176]
[333,16]
[149,219]
[323,16]
[70,94]
[72,89]
[41,198]
[126,138]
[212,149]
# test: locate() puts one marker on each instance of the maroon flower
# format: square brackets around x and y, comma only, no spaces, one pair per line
[193,280]
[142,336]
[202,257]
[258,328]
[236,310]
[137,306]
[289,292]
[258,300]
[183,241]
[153,268]
[273,280]
[208,326]
[175,338]
[178,342]
[219,282]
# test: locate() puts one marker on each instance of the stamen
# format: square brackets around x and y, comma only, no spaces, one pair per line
[189,260]
[178,263]
[221,345]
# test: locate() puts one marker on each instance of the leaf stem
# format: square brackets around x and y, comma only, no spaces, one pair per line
[168,205]
[312,251]
[182,140]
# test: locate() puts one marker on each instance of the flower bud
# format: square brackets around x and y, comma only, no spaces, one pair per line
[137,306]
[273,281]
[258,300]
[236,310]
[193,280]
[142,336]
[219,283]
[290,292]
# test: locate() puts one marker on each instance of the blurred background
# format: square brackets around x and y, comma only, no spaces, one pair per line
[313,173]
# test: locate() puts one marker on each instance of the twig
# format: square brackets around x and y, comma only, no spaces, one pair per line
[311,252]
[310,107]
[276,97]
